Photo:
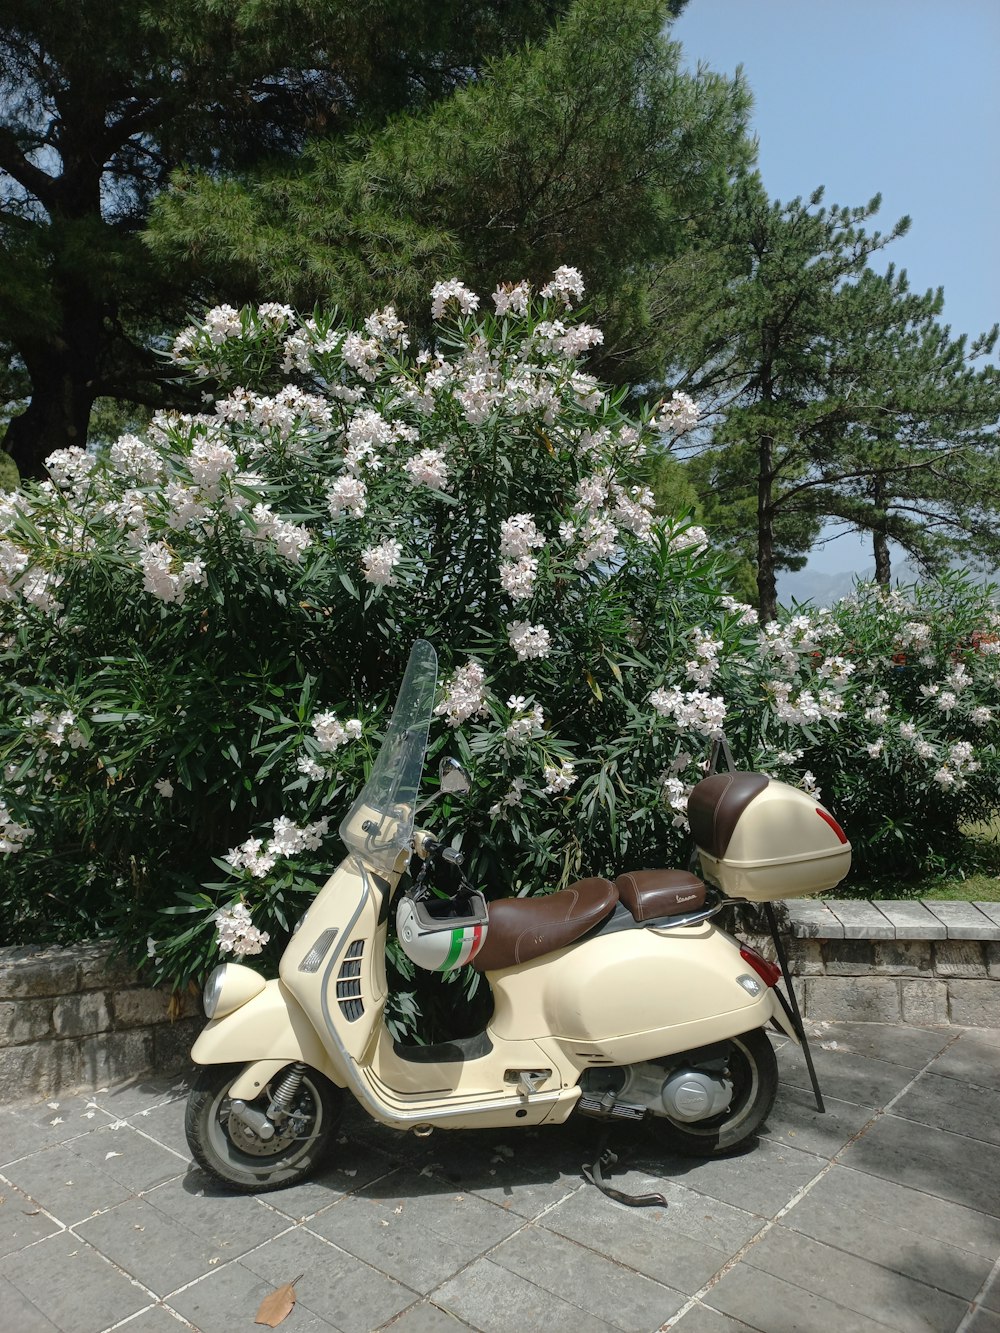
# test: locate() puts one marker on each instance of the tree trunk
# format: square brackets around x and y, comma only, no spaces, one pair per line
[767,587]
[56,417]
[63,373]
[880,539]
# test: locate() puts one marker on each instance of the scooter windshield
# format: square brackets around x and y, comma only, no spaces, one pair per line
[379,825]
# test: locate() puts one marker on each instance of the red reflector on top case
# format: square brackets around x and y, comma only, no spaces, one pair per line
[833,824]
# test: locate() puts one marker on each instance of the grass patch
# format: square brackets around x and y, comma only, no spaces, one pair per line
[973,877]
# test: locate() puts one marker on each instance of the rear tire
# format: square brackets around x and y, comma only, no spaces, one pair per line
[241,1160]
[754,1073]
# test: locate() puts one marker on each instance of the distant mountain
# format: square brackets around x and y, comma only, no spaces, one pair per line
[822,589]
[812,585]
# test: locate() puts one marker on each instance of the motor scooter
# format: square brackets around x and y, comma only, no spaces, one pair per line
[619,1000]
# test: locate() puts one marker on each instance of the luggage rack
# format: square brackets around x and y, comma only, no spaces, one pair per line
[790,1004]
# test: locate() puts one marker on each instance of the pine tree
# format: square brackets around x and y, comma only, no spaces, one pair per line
[836,392]
[99,103]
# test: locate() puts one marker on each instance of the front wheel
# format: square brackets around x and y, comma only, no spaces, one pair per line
[753,1071]
[230,1151]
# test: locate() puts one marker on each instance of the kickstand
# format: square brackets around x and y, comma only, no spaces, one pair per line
[791,1005]
[604,1160]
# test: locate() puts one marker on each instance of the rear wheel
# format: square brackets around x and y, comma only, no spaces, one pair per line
[234,1153]
[753,1071]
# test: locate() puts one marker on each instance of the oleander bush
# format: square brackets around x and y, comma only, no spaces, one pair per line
[201,631]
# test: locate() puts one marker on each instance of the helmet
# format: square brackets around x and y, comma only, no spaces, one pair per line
[440,934]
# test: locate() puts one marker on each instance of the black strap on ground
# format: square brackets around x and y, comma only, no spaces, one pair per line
[606,1159]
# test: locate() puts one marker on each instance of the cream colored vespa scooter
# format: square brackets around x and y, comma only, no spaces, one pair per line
[618,1000]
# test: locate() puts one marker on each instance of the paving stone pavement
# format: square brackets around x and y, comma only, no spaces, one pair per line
[884,1213]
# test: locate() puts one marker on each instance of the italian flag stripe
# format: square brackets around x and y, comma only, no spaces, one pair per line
[457,940]
[464,945]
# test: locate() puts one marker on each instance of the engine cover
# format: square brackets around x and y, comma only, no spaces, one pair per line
[683,1094]
[695,1094]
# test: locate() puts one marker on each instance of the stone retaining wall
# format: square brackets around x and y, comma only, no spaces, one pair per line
[73,1019]
[892,962]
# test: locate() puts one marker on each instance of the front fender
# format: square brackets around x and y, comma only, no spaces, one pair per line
[270,1027]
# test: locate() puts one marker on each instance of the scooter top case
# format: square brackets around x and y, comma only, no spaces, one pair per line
[763,840]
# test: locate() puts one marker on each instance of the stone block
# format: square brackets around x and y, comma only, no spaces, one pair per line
[44,972]
[959,958]
[924,1002]
[805,957]
[853,999]
[848,958]
[108,1057]
[964,921]
[172,1044]
[974,1004]
[992,951]
[139,1008]
[812,919]
[101,969]
[912,921]
[861,920]
[910,958]
[81,1014]
[42,1069]
[22,1021]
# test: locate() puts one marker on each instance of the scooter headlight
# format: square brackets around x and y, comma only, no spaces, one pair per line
[228,986]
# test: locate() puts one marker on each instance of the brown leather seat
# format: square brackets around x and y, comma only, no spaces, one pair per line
[524,928]
[715,805]
[651,893]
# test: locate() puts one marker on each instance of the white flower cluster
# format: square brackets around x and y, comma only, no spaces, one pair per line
[677,416]
[705,662]
[70,468]
[571,341]
[519,536]
[452,290]
[692,710]
[526,722]
[559,779]
[512,298]
[13,835]
[236,933]
[464,696]
[386,326]
[746,614]
[517,577]
[528,640]
[347,495]
[807,706]
[676,793]
[957,766]
[290,539]
[510,799]
[331,733]
[135,458]
[165,576]
[378,562]
[693,539]
[258,858]
[428,468]
[57,729]
[566,286]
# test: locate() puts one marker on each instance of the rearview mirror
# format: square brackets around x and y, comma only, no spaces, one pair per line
[453,777]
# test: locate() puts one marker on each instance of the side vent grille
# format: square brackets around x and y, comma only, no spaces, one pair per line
[349,983]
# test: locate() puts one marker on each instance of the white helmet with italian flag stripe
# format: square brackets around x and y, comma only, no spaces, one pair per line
[440,934]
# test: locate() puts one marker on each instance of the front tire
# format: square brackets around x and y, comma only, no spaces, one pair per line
[754,1073]
[240,1159]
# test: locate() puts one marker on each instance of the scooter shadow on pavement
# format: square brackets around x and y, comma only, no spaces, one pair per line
[374,1162]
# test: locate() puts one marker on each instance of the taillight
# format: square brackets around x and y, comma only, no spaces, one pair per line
[833,824]
[769,973]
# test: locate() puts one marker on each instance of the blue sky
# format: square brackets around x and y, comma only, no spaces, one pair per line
[897,97]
